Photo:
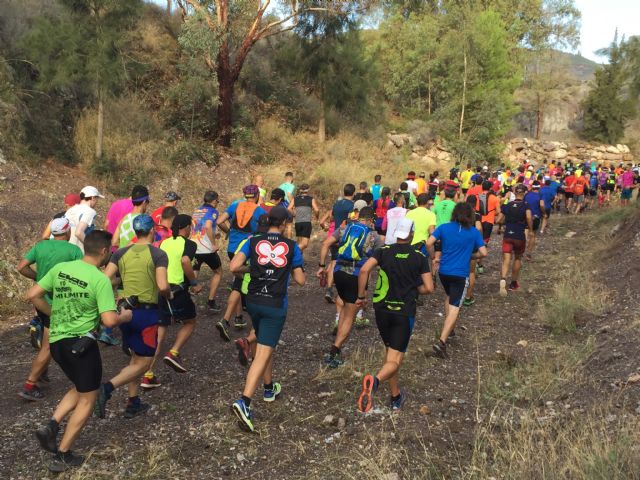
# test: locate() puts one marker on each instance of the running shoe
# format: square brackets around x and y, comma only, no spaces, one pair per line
[244,414]
[479,269]
[333,361]
[271,395]
[239,322]
[62,462]
[135,410]
[33,394]
[213,306]
[328,295]
[440,349]
[468,301]
[513,286]
[503,287]
[100,409]
[244,351]
[223,329]
[173,361]
[35,333]
[365,401]
[150,383]
[47,437]
[108,339]
[399,402]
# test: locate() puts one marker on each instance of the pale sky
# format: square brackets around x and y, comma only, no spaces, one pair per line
[600,19]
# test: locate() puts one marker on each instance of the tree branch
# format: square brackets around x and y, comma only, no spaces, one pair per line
[295,14]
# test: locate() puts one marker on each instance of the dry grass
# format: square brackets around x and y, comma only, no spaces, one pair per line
[586,446]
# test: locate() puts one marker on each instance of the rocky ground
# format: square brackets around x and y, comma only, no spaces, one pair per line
[314,430]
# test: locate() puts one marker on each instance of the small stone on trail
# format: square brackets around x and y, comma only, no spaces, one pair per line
[635,378]
[570,234]
[342,423]
[281,343]
[425,410]
[328,420]
[391,476]
[523,343]
[241,457]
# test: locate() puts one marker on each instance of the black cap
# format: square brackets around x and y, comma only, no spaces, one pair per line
[263,223]
[520,188]
[172,196]
[367,212]
[180,221]
[279,215]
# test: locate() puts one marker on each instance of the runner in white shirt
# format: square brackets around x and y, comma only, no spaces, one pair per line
[82,216]
[411,183]
[394,215]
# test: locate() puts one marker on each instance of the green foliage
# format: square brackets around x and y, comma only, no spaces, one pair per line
[608,107]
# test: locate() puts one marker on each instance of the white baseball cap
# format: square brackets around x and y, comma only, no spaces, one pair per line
[90,191]
[404,228]
[59,226]
[359,204]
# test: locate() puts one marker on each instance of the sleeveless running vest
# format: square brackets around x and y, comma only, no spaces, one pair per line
[174,248]
[304,209]
[271,262]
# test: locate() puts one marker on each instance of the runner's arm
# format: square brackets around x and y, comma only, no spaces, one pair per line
[188,270]
[110,271]
[315,208]
[208,228]
[292,207]
[431,241]
[80,229]
[427,284]
[299,276]
[115,240]
[363,279]
[530,222]
[162,281]
[238,264]
[24,268]
[112,318]
[324,250]
[481,253]
[46,233]
[35,295]
[325,218]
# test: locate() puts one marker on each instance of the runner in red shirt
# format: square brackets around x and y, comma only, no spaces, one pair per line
[170,200]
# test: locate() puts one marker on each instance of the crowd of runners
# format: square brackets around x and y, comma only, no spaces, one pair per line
[139,270]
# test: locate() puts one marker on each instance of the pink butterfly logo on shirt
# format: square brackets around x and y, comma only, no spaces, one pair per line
[274,254]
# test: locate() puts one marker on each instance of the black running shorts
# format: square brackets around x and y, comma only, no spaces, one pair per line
[44,318]
[182,308]
[455,288]
[395,329]
[85,372]
[237,282]
[303,229]
[487,228]
[346,286]
[536,223]
[212,260]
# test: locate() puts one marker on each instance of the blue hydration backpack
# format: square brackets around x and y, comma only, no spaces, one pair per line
[352,242]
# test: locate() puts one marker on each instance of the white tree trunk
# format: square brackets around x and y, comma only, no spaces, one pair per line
[100,129]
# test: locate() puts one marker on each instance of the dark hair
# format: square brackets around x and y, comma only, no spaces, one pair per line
[547,182]
[366,213]
[96,241]
[277,194]
[423,199]
[288,174]
[468,165]
[464,214]
[349,189]
[139,192]
[486,185]
[363,185]
[169,213]
[412,173]
[404,186]
[385,192]
[210,196]
[449,192]
[398,197]
[478,169]
[472,200]
[377,178]
[435,174]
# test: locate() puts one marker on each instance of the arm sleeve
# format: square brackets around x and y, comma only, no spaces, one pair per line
[104,295]
[159,257]
[424,264]
[190,249]
[298,259]
[31,254]
[46,282]
[117,255]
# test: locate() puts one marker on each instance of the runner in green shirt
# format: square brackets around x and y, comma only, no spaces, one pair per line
[82,298]
[45,255]
[444,208]
[424,221]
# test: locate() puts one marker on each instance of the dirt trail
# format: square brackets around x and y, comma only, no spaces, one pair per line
[313,430]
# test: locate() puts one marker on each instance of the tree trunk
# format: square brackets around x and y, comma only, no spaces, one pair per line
[322,126]
[226,83]
[464,95]
[539,116]
[429,93]
[169,6]
[100,129]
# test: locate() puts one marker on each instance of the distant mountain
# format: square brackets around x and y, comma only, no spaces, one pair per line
[581,68]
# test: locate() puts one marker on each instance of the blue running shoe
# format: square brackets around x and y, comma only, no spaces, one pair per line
[397,404]
[244,414]
[100,408]
[333,361]
[271,395]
